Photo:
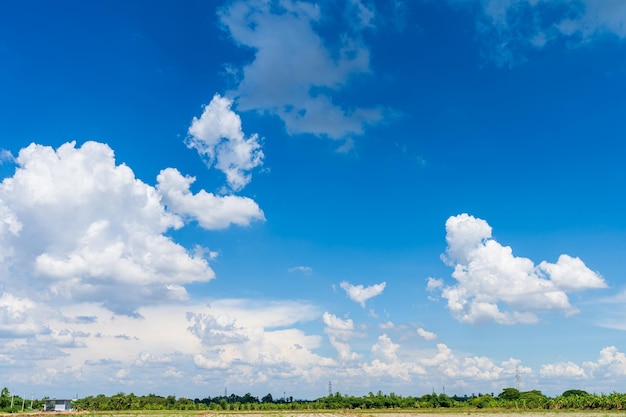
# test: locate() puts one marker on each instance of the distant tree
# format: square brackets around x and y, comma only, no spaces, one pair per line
[248,399]
[445,401]
[483,401]
[5,399]
[267,399]
[574,392]
[509,394]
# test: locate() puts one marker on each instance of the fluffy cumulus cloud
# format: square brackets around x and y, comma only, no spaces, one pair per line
[386,362]
[340,332]
[450,365]
[361,294]
[562,370]
[218,137]
[77,227]
[510,28]
[610,365]
[20,317]
[209,210]
[296,73]
[426,335]
[493,284]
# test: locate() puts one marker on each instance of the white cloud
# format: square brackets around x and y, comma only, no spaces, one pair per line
[387,325]
[338,327]
[218,137]
[212,212]
[511,27]
[451,366]
[75,226]
[234,337]
[171,372]
[610,363]
[339,334]
[255,345]
[295,73]
[434,283]
[6,156]
[385,350]
[215,330]
[562,370]
[361,294]
[19,317]
[147,358]
[306,270]
[493,284]
[386,361]
[571,274]
[344,350]
[426,335]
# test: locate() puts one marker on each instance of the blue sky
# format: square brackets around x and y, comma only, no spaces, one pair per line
[269,196]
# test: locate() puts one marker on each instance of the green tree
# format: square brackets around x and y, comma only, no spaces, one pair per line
[509,394]
[5,398]
[574,392]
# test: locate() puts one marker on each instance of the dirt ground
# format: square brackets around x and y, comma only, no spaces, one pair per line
[438,413]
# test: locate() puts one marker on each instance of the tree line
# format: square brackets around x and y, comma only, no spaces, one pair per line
[508,399]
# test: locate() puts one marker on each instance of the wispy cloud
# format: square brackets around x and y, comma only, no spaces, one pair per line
[6,156]
[510,29]
[296,74]
[306,270]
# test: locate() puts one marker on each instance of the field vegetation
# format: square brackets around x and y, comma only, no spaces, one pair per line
[510,399]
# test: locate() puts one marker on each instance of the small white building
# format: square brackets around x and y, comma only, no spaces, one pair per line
[57,405]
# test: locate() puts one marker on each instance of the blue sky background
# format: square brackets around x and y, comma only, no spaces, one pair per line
[268,196]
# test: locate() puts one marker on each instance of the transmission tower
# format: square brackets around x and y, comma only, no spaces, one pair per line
[330,388]
[518,378]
